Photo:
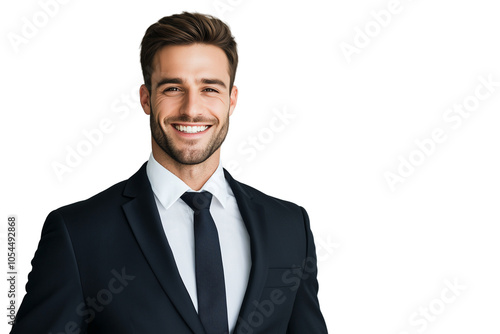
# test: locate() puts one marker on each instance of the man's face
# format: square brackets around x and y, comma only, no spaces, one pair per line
[190,101]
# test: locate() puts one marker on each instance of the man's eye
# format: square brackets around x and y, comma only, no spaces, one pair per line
[210,90]
[171,89]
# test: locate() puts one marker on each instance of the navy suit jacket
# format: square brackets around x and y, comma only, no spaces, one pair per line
[104,265]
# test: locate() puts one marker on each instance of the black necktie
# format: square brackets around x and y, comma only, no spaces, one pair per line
[210,285]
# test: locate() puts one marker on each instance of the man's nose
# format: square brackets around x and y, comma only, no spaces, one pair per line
[191,105]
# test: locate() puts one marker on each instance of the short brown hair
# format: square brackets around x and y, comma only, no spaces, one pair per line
[184,29]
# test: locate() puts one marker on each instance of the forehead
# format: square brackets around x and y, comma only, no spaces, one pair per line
[191,61]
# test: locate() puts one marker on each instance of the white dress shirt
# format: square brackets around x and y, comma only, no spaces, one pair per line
[177,220]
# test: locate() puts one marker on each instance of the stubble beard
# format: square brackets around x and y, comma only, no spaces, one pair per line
[189,156]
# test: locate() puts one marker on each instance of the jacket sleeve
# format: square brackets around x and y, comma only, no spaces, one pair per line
[306,314]
[53,292]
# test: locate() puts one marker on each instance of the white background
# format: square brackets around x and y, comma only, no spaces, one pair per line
[384,253]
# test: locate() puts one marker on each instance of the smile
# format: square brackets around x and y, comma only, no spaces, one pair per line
[191,129]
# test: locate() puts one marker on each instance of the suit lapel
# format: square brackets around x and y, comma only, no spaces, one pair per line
[145,223]
[253,217]
[144,220]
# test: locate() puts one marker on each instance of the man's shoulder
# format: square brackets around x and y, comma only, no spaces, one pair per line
[111,198]
[264,198]
[103,199]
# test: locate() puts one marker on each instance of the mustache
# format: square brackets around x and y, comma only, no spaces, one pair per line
[188,119]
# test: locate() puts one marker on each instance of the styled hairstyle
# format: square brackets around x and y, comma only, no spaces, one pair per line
[184,29]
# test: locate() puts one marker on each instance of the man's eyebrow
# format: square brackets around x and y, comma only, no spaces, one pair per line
[165,81]
[213,82]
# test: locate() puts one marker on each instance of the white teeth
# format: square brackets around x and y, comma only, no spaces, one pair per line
[191,129]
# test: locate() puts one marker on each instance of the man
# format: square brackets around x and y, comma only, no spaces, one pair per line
[180,247]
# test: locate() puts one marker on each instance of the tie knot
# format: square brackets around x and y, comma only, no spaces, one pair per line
[197,201]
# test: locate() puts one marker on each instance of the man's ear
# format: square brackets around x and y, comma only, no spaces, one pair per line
[145,99]
[233,98]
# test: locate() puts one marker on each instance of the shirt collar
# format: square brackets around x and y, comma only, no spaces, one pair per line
[218,186]
[168,188]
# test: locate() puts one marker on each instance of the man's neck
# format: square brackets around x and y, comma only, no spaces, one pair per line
[195,176]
